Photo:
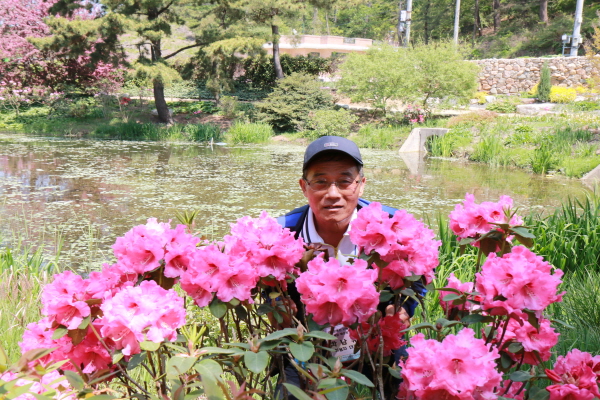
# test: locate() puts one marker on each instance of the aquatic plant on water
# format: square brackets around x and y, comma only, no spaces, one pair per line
[126,331]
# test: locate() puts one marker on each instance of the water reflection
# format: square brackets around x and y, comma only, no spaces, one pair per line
[90,192]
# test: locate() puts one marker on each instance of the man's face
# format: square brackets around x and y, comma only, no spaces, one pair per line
[332,207]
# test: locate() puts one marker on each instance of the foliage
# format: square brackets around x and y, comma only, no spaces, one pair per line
[249,133]
[259,70]
[385,73]
[414,114]
[149,131]
[187,107]
[329,123]
[447,145]
[584,106]
[381,137]
[229,106]
[472,118]
[480,96]
[287,108]
[506,104]
[562,94]
[545,84]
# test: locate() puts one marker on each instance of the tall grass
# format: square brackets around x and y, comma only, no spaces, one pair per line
[491,150]
[24,271]
[378,137]
[149,131]
[249,133]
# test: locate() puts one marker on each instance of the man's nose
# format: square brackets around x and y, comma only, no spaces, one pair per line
[333,191]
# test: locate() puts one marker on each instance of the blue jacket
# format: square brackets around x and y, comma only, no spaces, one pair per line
[294,220]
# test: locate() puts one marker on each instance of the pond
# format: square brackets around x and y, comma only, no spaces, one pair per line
[85,193]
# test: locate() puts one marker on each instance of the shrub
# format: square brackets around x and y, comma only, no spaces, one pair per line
[562,94]
[330,122]
[229,106]
[480,96]
[545,84]
[375,137]
[249,133]
[504,105]
[472,118]
[261,73]
[585,106]
[288,106]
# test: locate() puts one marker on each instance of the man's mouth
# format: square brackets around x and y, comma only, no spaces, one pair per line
[332,207]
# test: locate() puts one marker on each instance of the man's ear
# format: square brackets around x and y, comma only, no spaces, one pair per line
[362,187]
[303,186]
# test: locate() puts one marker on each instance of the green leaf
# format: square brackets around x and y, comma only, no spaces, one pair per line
[524,241]
[75,380]
[536,393]
[302,351]
[522,231]
[256,362]
[505,361]
[215,350]
[179,365]
[385,296]
[452,296]
[395,372]
[136,360]
[59,332]
[338,392]
[558,321]
[281,333]
[413,278]
[208,366]
[217,308]
[520,376]
[296,392]
[320,335]
[149,345]
[515,347]
[84,323]
[424,325]
[466,241]
[118,356]
[357,377]
[472,319]
[264,309]
[241,312]
[449,289]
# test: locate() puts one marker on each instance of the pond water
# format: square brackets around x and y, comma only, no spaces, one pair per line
[86,193]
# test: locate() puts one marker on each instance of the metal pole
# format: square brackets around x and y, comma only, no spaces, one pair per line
[456,21]
[408,19]
[577,28]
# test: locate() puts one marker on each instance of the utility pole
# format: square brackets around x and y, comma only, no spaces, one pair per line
[408,20]
[456,21]
[577,28]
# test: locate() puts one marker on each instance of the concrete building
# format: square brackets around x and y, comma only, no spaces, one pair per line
[319,46]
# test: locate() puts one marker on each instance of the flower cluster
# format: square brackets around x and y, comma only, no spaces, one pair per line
[406,244]
[576,375]
[471,220]
[455,283]
[459,367]
[536,343]
[50,383]
[338,294]
[391,327]
[516,281]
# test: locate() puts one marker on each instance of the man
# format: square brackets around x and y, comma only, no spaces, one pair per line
[333,183]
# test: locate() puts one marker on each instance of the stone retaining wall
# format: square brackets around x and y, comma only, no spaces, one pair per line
[511,76]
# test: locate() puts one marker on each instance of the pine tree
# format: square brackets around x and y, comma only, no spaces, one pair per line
[543,91]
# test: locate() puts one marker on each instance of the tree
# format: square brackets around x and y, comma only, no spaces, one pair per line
[545,84]
[271,12]
[382,74]
[152,21]
[544,11]
[418,74]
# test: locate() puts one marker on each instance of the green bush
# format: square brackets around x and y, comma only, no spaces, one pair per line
[249,133]
[177,132]
[504,105]
[288,106]
[261,73]
[584,106]
[229,106]
[377,137]
[329,122]
[545,84]
[562,94]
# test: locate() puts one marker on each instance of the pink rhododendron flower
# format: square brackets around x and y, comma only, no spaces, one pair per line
[338,294]
[515,388]
[471,220]
[142,248]
[404,242]
[391,327]
[64,300]
[104,284]
[533,340]
[269,248]
[38,335]
[459,367]
[576,375]
[90,355]
[518,280]
[455,283]
[144,312]
[49,380]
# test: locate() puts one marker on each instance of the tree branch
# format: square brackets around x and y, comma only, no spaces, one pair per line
[165,8]
[182,49]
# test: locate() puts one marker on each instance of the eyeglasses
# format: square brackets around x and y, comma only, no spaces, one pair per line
[343,185]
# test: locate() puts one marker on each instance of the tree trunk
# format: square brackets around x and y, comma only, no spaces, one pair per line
[159,87]
[544,11]
[276,59]
[496,6]
[315,20]
[400,25]
[426,17]
[327,22]
[477,20]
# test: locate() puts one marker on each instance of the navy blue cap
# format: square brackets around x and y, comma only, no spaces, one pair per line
[331,143]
